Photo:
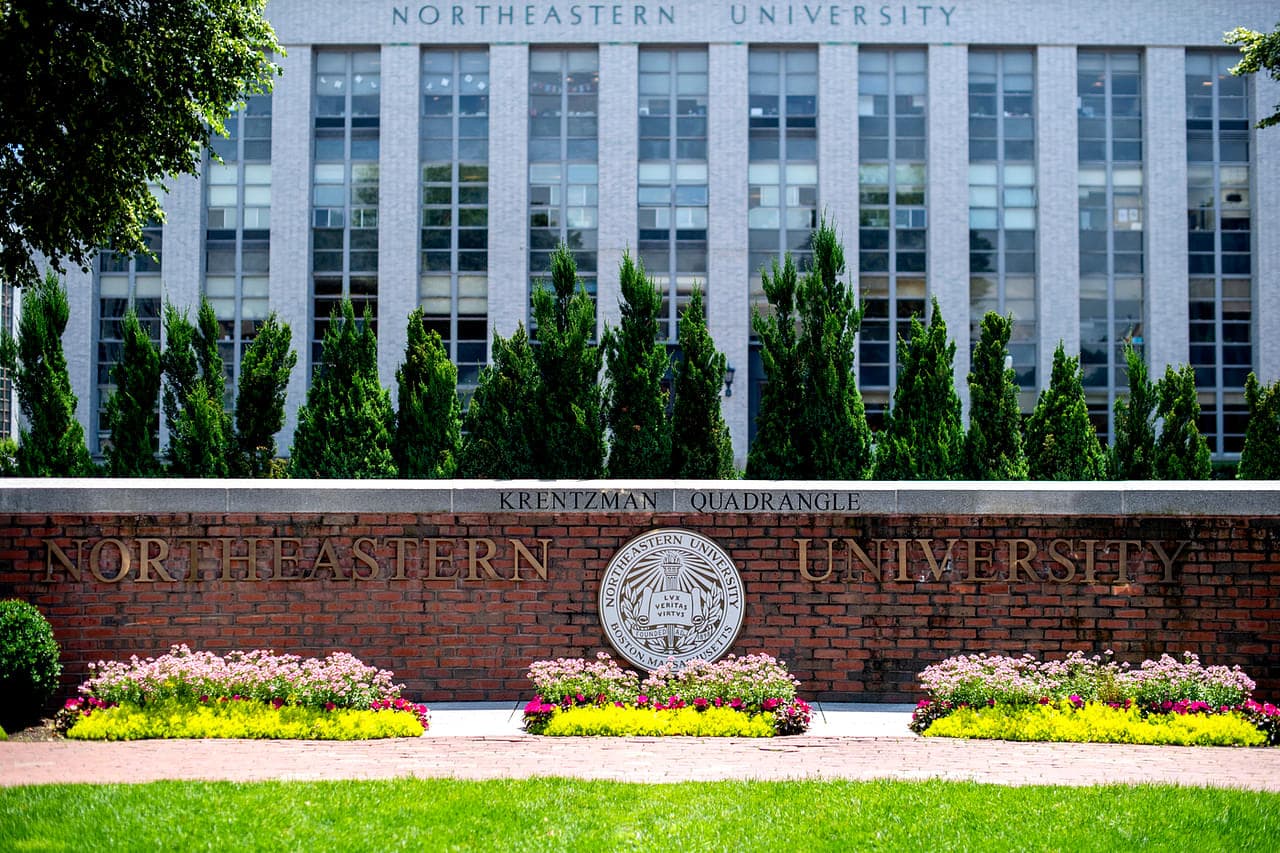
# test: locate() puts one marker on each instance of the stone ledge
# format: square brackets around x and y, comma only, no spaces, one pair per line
[869,498]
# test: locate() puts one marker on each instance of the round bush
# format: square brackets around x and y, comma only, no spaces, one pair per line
[29,665]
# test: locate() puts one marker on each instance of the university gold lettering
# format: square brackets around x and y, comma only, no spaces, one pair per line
[804,561]
[1166,560]
[1122,556]
[1056,554]
[971,546]
[902,559]
[1022,561]
[856,552]
[1089,555]
[936,566]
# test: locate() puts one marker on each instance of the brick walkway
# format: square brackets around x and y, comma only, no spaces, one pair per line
[640,759]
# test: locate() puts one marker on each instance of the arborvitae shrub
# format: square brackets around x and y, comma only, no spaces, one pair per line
[1181,451]
[192,359]
[775,453]
[429,418]
[1062,443]
[993,446]
[260,397]
[499,424]
[702,448]
[1260,458]
[131,409]
[1132,454]
[29,664]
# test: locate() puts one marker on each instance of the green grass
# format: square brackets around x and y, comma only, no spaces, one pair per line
[563,814]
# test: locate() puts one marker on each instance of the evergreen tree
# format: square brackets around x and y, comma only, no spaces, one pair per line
[1181,451]
[500,422]
[192,358]
[344,430]
[923,436]
[1260,458]
[635,404]
[199,444]
[260,397]
[131,410]
[833,423]
[51,440]
[429,420]
[1132,454]
[702,448]
[775,454]
[993,446]
[1061,441]
[570,431]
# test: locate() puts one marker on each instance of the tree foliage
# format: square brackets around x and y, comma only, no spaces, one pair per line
[570,430]
[993,446]
[923,436]
[1181,451]
[1061,441]
[429,418]
[344,430]
[1258,52]
[102,98]
[1132,453]
[812,424]
[635,403]
[260,397]
[702,448]
[1260,458]
[191,361]
[131,410]
[51,440]
[500,422]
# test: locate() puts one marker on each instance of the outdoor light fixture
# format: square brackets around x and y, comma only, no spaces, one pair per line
[728,381]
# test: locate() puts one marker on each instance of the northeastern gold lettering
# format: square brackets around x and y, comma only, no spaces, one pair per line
[146,562]
[52,551]
[402,545]
[539,566]
[477,560]
[364,556]
[95,560]
[279,558]
[436,560]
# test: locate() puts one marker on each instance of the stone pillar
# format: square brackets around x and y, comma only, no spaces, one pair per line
[1266,231]
[79,344]
[508,187]
[618,154]
[399,187]
[1166,330]
[290,280]
[838,145]
[728,277]
[1058,223]
[947,195]
[181,264]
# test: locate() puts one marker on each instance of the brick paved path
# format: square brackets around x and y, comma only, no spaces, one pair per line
[640,759]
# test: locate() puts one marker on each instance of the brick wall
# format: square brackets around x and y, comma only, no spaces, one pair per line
[854,623]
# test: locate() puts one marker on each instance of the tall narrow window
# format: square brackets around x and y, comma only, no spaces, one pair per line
[1219,245]
[563,167]
[6,381]
[454,287]
[123,283]
[672,175]
[344,202]
[1112,212]
[238,232]
[892,220]
[1002,202]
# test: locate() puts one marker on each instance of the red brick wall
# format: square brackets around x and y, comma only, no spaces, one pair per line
[850,636]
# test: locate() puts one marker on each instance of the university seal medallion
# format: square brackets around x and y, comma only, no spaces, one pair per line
[671,594]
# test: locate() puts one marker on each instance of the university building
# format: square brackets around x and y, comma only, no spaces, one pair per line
[1089,167]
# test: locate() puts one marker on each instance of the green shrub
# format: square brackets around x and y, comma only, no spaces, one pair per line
[1096,723]
[29,665]
[612,721]
[239,718]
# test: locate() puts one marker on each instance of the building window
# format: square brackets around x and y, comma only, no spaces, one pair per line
[892,220]
[6,381]
[454,283]
[238,233]
[122,283]
[1002,202]
[344,202]
[672,174]
[563,167]
[1111,189]
[1219,245]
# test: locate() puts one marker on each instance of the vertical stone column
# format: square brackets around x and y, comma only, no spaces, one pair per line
[291,220]
[1266,231]
[181,266]
[79,343]
[838,145]
[947,194]
[729,278]
[1166,330]
[399,185]
[508,187]
[1057,191]
[618,153]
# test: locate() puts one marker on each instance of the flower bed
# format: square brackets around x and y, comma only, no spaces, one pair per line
[246,694]
[1093,699]
[752,696]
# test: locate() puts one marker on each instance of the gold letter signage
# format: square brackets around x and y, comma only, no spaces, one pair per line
[671,594]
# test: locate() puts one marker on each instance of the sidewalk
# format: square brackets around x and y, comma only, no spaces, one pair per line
[484,741]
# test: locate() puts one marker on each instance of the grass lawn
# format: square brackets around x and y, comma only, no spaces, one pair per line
[566,814]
